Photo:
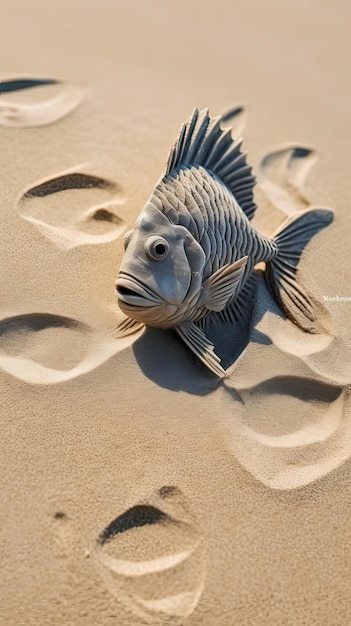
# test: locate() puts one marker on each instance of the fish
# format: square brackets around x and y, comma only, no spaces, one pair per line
[193,249]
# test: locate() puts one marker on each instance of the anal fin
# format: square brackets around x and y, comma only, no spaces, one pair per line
[200,345]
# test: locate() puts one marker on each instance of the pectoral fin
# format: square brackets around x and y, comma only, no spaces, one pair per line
[221,286]
[197,341]
[128,326]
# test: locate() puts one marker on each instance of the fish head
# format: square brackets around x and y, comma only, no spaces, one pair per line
[161,272]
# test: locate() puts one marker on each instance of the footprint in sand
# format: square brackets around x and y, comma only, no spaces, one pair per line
[42,348]
[326,354]
[279,191]
[57,207]
[289,430]
[152,558]
[28,102]
[282,174]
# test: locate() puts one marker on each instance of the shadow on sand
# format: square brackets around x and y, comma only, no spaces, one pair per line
[165,360]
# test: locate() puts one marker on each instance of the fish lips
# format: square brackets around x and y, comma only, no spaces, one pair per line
[132,293]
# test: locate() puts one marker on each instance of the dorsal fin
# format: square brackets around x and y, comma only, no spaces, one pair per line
[202,141]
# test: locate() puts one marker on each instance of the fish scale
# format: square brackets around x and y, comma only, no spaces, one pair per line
[197,190]
[219,221]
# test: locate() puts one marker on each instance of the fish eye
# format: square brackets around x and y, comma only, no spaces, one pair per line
[127,238]
[157,248]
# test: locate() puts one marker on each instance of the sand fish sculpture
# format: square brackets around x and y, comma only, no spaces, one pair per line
[193,248]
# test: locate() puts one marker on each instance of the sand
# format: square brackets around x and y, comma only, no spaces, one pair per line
[135,487]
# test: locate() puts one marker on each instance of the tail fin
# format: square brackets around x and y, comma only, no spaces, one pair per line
[291,239]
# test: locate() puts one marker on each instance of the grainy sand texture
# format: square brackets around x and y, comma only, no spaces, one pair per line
[135,486]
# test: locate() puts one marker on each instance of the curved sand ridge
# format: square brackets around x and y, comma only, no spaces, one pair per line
[288,430]
[152,558]
[43,349]
[57,207]
[37,102]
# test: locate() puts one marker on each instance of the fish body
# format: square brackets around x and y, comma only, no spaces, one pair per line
[193,248]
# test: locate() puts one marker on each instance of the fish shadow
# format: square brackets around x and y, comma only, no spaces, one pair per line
[164,359]
[167,361]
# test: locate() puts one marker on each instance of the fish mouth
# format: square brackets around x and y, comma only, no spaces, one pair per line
[132,293]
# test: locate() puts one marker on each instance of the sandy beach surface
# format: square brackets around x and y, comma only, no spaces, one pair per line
[135,487]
